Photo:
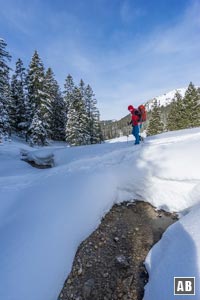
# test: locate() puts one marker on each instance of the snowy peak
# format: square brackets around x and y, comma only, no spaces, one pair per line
[166,98]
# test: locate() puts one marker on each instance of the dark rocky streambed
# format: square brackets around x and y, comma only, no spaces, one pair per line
[109,264]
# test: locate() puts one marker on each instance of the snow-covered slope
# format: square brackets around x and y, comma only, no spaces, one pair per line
[165,99]
[45,214]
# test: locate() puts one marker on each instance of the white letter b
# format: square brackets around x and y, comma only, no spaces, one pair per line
[188,286]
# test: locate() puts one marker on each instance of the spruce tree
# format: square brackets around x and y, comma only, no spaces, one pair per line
[56,112]
[18,107]
[4,90]
[155,124]
[68,92]
[94,128]
[37,131]
[82,89]
[35,82]
[13,106]
[46,110]
[77,121]
[176,113]
[191,102]
[59,117]
[38,100]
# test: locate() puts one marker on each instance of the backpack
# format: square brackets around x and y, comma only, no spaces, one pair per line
[143,113]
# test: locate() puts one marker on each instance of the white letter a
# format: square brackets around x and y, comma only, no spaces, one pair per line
[180,286]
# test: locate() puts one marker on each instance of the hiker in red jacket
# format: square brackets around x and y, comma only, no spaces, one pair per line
[135,118]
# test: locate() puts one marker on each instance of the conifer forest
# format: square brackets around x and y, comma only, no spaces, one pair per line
[33,106]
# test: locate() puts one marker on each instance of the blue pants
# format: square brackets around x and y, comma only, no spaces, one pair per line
[136,134]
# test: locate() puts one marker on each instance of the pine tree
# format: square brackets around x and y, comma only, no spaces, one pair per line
[38,100]
[56,112]
[68,92]
[8,97]
[98,130]
[35,82]
[13,106]
[28,104]
[155,124]
[46,109]
[59,118]
[77,121]
[176,113]
[37,131]
[94,128]
[4,89]
[18,106]
[191,102]
[82,89]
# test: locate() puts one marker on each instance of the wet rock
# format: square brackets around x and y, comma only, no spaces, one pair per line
[80,271]
[87,288]
[121,262]
[116,239]
[105,275]
[127,282]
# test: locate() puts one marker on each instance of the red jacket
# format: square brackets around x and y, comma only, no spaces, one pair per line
[135,119]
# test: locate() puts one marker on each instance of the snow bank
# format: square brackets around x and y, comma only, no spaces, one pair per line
[176,255]
[40,158]
[45,214]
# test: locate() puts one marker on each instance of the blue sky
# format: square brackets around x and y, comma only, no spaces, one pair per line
[128,50]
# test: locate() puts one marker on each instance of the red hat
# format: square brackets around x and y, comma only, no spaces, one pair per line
[130,107]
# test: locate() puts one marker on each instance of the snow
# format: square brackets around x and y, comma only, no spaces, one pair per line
[40,158]
[165,99]
[176,255]
[46,213]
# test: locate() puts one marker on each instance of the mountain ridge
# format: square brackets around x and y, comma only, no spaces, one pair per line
[166,98]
